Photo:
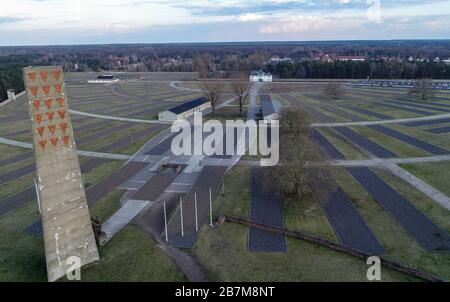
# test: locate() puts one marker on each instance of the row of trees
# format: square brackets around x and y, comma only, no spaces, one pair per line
[361,70]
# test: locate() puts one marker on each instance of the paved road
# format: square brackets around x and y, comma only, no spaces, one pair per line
[418,225]
[266,208]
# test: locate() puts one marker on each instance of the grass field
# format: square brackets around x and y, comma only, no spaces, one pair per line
[223,253]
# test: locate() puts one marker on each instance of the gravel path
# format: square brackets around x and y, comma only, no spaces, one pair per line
[365,143]
[419,226]
[410,140]
[265,207]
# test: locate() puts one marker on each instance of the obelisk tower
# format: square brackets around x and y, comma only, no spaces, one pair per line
[66,221]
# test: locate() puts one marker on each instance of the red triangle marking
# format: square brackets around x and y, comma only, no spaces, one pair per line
[34,90]
[50,115]
[46,89]
[43,143]
[58,88]
[62,113]
[44,75]
[52,128]
[56,74]
[66,139]
[60,101]
[40,130]
[31,76]
[48,102]
[38,118]
[37,104]
[63,127]
[54,141]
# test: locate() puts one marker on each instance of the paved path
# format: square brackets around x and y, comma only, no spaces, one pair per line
[116,118]
[174,85]
[11,142]
[123,216]
[393,121]
[418,184]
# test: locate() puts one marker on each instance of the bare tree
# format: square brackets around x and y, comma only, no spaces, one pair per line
[423,88]
[202,64]
[294,122]
[212,91]
[299,155]
[334,90]
[241,90]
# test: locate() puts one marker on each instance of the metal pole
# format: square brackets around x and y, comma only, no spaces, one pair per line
[210,208]
[196,217]
[181,217]
[38,196]
[165,222]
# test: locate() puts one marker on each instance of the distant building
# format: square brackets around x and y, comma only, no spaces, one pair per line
[446,61]
[260,76]
[323,57]
[104,79]
[184,110]
[11,94]
[351,58]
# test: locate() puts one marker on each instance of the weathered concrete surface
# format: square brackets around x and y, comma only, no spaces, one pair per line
[67,228]
[123,216]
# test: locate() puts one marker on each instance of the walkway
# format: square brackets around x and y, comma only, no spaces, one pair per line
[11,142]
[116,118]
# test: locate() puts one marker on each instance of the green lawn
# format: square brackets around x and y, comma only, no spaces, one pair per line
[223,253]
[436,174]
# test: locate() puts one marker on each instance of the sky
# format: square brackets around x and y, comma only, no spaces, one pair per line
[51,22]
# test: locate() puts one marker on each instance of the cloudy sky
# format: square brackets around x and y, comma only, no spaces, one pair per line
[38,22]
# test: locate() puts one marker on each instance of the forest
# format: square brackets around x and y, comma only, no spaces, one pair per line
[402,59]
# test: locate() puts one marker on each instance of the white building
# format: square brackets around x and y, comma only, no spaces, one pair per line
[104,79]
[184,110]
[11,94]
[260,76]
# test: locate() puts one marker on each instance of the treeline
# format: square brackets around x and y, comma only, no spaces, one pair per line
[361,70]
[11,72]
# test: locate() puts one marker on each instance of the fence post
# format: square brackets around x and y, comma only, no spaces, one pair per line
[196,215]
[210,208]
[165,222]
[38,196]
[181,217]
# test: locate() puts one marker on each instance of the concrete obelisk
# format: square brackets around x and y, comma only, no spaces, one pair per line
[66,222]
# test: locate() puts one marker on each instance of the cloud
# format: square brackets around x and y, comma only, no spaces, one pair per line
[218,20]
[6,19]
[299,24]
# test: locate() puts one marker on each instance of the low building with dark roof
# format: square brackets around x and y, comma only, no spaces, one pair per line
[184,110]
